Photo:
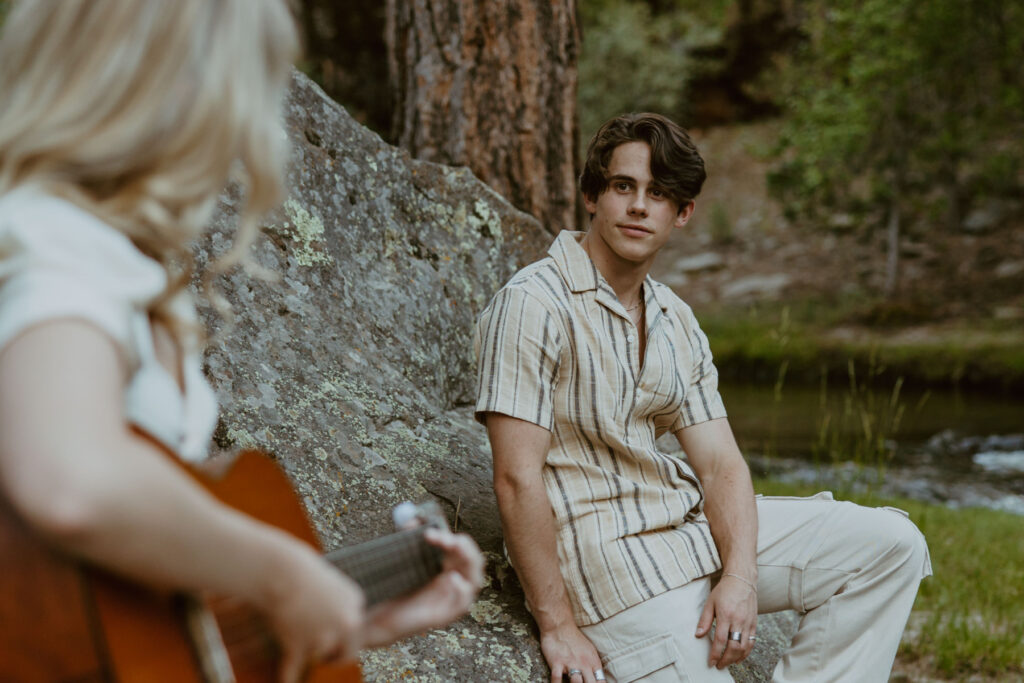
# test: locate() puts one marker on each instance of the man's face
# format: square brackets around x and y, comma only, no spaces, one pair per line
[633,218]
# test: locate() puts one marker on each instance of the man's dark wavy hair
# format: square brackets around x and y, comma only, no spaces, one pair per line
[676,165]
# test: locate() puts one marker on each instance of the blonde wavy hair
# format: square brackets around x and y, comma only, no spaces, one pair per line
[139,111]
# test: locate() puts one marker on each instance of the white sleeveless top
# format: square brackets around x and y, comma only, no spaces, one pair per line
[57,262]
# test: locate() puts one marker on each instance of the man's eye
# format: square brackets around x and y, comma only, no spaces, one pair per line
[655,192]
[622,186]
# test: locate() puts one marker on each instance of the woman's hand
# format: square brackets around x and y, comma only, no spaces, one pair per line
[317,613]
[441,601]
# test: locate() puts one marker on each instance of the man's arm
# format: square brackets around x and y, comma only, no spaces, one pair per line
[732,515]
[519,450]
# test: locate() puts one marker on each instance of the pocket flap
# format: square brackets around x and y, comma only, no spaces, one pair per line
[643,658]
[897,510]
[820,495]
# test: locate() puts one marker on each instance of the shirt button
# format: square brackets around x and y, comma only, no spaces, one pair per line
[630,339]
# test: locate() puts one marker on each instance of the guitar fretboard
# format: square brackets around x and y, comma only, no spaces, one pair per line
[389,566]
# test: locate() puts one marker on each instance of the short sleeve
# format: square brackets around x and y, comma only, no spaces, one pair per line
[517,344]
[56,261]
[702,401]
[39,295]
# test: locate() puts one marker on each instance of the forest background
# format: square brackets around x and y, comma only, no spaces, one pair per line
[865,158]
[861,231]
[860,238]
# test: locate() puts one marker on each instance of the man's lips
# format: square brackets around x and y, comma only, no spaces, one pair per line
[634,229]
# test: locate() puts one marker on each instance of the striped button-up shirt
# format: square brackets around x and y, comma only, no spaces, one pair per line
[555,347]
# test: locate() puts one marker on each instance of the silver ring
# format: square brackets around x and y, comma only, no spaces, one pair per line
[751,638]
[736,635]
[573,672]
[599,675]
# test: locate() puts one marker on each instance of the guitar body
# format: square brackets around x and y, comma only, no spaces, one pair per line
[61,620]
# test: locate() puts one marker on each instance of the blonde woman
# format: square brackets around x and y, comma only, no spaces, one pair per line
[120,122]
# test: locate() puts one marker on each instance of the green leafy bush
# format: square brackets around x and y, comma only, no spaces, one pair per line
[904,103]
[630,61]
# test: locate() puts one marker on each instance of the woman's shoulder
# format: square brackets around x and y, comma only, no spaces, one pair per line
[59,261]
[42,231]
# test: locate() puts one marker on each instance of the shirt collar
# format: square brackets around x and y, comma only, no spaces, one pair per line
[581,275]
[575,265]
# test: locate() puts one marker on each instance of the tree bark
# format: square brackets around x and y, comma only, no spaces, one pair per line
[491,84]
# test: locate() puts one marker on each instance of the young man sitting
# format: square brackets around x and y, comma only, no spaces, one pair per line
[628,555]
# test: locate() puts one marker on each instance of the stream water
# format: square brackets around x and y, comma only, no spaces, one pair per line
[941,446]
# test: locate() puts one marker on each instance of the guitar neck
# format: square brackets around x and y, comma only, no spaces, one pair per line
[389,566]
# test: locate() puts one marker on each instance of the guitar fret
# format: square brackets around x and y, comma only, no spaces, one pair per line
[389,566]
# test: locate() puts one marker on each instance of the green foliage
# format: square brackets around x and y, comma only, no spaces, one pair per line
[752,344]
[631,60]
[901,100]
[967,616]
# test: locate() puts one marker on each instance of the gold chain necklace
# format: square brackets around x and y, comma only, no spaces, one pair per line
[639,300]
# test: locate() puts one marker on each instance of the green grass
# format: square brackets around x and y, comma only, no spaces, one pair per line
[969,617]
[753,343]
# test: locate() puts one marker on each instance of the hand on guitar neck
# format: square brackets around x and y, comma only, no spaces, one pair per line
[420,577]
[62,627]
[108,497]
[447,596]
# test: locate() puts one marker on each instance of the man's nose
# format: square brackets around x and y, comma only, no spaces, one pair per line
[637,206]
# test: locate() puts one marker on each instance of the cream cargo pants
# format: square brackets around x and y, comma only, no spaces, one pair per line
[851,572]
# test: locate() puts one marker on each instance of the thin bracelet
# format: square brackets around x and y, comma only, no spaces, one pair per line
[737,576]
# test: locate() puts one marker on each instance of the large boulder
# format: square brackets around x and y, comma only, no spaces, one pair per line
[353,366]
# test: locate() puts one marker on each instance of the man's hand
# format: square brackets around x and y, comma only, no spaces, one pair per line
[520,449]
[732,516]
[566,649]
[732,605]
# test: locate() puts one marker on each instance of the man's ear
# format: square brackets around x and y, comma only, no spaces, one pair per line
[685,213]
[590,204]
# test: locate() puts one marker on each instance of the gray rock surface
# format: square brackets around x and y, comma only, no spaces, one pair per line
[989,215]
[756,286]
[354,367]
[707,260]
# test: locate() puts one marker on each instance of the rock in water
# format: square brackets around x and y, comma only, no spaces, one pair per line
[354,368]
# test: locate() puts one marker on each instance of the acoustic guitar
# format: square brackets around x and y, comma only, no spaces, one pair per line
[64,621]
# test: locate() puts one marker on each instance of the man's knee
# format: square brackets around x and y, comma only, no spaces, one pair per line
[907,546]
[884,538]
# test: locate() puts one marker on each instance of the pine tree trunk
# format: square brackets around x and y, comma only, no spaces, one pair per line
[491,84]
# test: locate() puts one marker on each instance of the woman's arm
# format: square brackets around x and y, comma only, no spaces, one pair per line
[75,472]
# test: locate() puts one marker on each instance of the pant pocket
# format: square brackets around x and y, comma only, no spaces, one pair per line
[654,660]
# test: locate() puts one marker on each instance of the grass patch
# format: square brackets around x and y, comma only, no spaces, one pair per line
[752,343]
[967,619]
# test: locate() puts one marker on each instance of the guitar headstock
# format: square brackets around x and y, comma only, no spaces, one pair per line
[410,515]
